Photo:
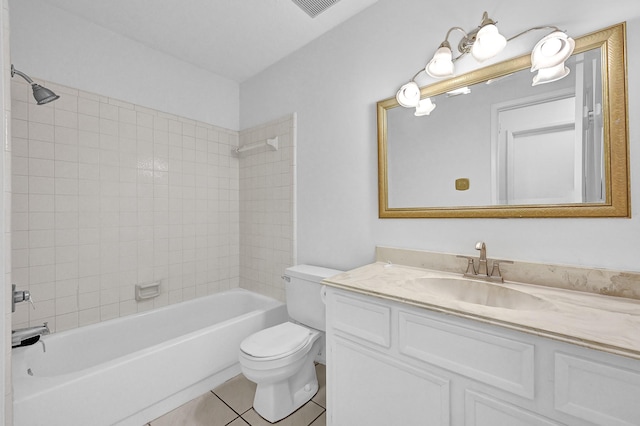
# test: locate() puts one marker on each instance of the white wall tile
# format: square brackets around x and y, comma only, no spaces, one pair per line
[266,190]
[108,194]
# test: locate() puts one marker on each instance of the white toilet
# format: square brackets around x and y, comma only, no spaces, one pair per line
[280,359]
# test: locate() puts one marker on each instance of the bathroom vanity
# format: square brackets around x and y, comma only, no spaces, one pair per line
[412,346]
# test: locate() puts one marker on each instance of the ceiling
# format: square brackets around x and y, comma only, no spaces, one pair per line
[235,39]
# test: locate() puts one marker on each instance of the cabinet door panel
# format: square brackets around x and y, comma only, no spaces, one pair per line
[365,320]
[597,392]
[497,361]
[368,388]
[481,410]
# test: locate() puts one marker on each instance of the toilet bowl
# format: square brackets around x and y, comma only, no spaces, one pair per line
[280,360]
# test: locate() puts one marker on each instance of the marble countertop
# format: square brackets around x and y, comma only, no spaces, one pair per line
[610,324]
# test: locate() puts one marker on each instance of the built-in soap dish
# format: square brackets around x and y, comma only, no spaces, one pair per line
[147,291]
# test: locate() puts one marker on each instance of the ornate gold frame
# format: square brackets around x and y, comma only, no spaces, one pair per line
[612,41]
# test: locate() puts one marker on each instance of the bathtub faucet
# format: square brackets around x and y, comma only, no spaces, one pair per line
[28,336]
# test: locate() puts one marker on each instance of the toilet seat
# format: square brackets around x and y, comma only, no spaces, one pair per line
[276,342]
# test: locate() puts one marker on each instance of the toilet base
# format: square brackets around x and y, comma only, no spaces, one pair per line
[275,401]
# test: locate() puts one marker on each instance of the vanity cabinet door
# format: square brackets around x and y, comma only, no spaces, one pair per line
[483,410]
[596,391]
[370,388]
[393,364]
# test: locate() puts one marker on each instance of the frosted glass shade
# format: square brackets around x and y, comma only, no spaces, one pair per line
[551,51]
[424,107]
[549,75]
[489,42]
[409,95]
[441,65]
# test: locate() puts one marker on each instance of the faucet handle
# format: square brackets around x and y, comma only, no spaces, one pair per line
[471,267]
[495,271]
[20,296]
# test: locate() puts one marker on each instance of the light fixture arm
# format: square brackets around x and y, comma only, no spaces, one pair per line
[549,27]
[455,28]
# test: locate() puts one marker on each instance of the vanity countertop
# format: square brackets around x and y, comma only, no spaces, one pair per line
[606,323]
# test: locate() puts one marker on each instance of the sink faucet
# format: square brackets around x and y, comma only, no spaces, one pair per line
[29,335]
[483,271]
[483,267]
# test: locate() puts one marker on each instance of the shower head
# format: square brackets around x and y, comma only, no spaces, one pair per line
[42,94]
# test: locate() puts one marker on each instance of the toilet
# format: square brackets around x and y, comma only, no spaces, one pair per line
[280,359]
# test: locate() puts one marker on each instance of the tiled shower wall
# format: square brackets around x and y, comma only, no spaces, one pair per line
[267,207]
[107,195]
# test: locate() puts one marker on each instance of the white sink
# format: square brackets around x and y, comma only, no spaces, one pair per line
[479,293]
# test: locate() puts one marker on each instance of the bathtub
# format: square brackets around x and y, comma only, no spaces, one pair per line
[133,369]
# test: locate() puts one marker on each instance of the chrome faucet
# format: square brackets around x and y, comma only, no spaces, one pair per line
[482,272]
[29,335]
[482,261]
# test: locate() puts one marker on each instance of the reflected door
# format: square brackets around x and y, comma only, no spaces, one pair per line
[541,157]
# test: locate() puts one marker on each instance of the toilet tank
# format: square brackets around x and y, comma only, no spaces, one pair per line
[303,284]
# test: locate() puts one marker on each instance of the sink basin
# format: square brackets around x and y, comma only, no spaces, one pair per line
[480,293]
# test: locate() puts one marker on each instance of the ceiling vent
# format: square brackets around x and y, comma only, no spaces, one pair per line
[314,8]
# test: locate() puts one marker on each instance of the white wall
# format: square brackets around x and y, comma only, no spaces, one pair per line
[333,85]
[51,44]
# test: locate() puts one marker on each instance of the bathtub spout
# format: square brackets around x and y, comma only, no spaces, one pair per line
[28,336]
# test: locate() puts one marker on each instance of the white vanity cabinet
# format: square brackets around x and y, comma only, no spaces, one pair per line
[393,364]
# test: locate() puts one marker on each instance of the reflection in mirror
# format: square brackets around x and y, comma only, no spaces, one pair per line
[504,148]
[515,143]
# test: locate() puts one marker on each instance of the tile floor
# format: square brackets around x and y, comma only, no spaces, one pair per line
[230,404]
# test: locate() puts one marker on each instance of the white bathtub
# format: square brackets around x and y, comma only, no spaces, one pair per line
[130,370]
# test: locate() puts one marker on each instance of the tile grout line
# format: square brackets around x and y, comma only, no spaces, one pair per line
[324,410]
[230,407]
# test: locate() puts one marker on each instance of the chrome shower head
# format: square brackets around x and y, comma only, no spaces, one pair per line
[40,93]
[43,95]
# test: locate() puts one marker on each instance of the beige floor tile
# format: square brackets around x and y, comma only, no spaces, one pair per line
[207,410]
[302,417]
[320,398]
[320,421]
[238,422]
[238,393]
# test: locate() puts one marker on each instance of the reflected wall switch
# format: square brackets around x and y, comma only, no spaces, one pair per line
[462,184]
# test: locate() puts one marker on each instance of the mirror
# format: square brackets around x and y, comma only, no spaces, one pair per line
[496,146]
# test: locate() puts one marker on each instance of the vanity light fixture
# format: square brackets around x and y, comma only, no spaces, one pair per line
[485,42]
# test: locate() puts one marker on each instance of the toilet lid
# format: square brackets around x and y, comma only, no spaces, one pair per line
[281,339]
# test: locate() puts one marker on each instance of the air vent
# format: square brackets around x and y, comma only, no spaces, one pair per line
[314,8]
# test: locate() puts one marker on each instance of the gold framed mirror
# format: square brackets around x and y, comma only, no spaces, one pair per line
[423,171]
